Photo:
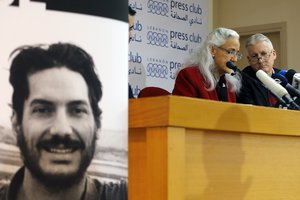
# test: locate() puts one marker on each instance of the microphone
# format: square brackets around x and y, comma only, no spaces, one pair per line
[289,75]
[296,81]
[230,65]
[293,77]
[276,88]
[284,82]
[282,72]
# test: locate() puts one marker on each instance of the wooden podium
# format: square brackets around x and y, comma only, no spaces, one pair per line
[191,149]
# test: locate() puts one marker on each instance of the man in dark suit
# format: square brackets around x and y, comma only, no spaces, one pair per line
[261,56]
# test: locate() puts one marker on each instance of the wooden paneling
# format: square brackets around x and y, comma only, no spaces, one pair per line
[190,149]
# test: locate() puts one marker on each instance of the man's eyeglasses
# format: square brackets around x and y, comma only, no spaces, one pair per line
[263,56]
[232,53]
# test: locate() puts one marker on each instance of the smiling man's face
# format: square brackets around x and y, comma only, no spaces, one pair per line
[58,131]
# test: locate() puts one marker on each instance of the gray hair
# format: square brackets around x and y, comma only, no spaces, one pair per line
[235,81]
[202,57]
[258,37]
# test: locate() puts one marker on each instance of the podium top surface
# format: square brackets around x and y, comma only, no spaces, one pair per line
[177,111]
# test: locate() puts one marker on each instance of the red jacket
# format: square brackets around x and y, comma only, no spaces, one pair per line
[190,82]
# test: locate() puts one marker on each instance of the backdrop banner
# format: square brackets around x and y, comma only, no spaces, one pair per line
[165,34]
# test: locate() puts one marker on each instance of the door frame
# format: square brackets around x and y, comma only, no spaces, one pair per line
[280,27]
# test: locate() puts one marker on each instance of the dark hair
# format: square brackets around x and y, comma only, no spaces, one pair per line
[31,59]
[131,11]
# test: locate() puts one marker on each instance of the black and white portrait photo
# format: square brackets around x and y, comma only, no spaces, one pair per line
[64,100]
